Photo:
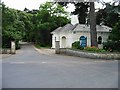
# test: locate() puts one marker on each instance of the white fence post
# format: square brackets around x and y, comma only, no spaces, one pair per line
[100,46]
[13,47]
[57,47]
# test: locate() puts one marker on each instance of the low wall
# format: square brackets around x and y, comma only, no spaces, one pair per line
[6,51]
[107,56]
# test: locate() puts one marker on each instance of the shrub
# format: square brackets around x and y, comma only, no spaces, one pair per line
[76,45]
[112,46]
[6,42]
[17,45]
[94,49]
[39,45]
[91,49]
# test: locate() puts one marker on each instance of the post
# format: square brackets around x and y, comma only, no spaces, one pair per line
[100,46]
[57,47]
[12,47]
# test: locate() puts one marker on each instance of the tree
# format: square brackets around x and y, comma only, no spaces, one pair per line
[93,32]
[114,39]
[115,33]
[11,25]
[49,17]
[81,9]
[105,16]
[15,23]
[26,18]
[32,25]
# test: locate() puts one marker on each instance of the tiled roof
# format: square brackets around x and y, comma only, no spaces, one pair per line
[57,30]
[75,26]
[67,27]
[103,28]
[81,27]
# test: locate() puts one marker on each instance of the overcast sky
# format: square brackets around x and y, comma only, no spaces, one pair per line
[33,4]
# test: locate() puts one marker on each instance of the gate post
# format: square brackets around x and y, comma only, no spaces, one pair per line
[12,47]
[57,47]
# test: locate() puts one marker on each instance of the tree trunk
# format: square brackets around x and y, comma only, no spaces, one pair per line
[93,32]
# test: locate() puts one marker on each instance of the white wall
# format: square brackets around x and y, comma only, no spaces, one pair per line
[104,36]
[55,37]
[77,36]
[72,37]
[67,35]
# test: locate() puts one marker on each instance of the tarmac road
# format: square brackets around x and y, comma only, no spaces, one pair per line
[30,68]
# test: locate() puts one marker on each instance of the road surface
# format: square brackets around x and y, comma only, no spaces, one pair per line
[30,68]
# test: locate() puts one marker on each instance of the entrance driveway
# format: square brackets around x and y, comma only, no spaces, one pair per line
[30,68]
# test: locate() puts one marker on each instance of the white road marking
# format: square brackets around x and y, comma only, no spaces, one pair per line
[17,62]
[44,62]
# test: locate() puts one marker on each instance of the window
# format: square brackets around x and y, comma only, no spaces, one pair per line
[55,38]
[99,40]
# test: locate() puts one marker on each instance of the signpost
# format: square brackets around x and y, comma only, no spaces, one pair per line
[83,41]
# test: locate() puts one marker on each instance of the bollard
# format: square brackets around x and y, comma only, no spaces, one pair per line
[57,47]
[12,47]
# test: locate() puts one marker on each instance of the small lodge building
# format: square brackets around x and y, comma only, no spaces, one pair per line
[70,33]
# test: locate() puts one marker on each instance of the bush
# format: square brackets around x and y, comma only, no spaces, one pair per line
[39,45]
[17,45]
[112,46]
[6,42]
[94,49]
[76,45]
[91,49]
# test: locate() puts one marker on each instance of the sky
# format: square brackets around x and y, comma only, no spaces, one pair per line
[34,4]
